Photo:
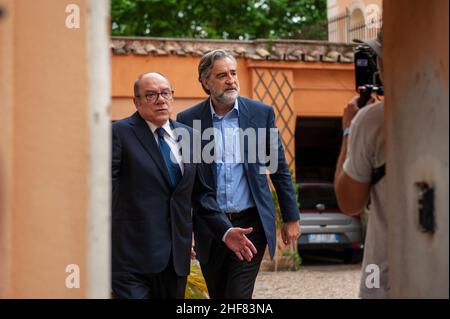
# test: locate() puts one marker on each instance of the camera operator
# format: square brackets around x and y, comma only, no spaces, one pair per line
[359,182]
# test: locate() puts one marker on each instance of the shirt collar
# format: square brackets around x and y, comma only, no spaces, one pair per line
[214,114]
[166,126]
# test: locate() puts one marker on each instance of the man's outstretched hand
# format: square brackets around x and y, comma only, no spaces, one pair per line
[240,244]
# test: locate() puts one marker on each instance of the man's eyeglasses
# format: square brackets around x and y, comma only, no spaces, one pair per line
[152,97]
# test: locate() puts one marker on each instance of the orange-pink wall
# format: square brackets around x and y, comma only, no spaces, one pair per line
[320,89]
[45,151]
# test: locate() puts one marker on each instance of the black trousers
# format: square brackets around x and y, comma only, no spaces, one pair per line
[164,285]
[226,276]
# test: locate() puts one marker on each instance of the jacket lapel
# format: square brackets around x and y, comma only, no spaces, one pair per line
[244,123]
[206,122]
[187,166]
[145,136]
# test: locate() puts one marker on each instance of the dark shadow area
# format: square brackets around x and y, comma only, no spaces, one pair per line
[318,141]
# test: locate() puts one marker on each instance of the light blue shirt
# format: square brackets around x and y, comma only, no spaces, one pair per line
[233,192]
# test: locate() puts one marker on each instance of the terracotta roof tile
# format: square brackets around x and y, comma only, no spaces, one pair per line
[349,55]
[276,54]
[328,59]
[309,58]
[135,47]
[150,48]
[189,49]
[292,57]
[345,60]
[169,48]
[120,51]
[240,50]
[262,52]
[198,52]
[255,56]
[297,52]
[287,50]
[333,55]
[205,49]
[117,45]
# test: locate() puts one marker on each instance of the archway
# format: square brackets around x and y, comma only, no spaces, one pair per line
[357,25]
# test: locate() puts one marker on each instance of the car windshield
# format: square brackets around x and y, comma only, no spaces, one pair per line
[310,196]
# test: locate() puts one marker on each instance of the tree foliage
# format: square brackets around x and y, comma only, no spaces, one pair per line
[226,19]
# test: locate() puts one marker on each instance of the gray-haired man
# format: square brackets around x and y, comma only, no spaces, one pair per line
[242,191]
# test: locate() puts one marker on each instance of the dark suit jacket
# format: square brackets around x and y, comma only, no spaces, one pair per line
[252,114]
[149,220]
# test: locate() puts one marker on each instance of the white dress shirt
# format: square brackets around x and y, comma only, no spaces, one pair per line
[171,140]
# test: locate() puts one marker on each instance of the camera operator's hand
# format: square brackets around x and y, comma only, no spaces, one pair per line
[350,111]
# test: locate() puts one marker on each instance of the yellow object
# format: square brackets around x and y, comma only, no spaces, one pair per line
[196,285]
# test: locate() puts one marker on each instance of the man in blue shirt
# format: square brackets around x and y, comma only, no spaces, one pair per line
[240,182]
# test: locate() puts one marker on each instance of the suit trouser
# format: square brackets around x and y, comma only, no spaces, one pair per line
[164,285]
[225,275]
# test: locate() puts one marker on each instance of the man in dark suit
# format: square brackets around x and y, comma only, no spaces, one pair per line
[153,190]
[241,186]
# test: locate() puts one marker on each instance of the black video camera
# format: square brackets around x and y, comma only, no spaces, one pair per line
[367,77]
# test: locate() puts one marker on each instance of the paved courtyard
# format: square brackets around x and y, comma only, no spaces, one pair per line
[335,281]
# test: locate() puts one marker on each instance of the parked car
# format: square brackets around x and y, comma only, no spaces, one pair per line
[324,226]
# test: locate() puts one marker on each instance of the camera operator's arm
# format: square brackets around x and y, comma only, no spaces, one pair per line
[351,194]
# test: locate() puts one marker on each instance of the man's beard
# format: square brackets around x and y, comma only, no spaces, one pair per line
[227,98]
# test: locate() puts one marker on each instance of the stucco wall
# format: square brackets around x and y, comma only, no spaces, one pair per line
[314,84]
[45,154]
[416,79]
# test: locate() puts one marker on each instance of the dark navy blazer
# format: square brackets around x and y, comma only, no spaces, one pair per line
[149,220]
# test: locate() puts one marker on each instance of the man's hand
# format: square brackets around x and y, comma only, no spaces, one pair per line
[351,194]
[240,244]
[350,111]
[290,231]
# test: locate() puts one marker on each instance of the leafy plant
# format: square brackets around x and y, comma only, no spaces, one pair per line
[291,250]
[228,19]
[296,258]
